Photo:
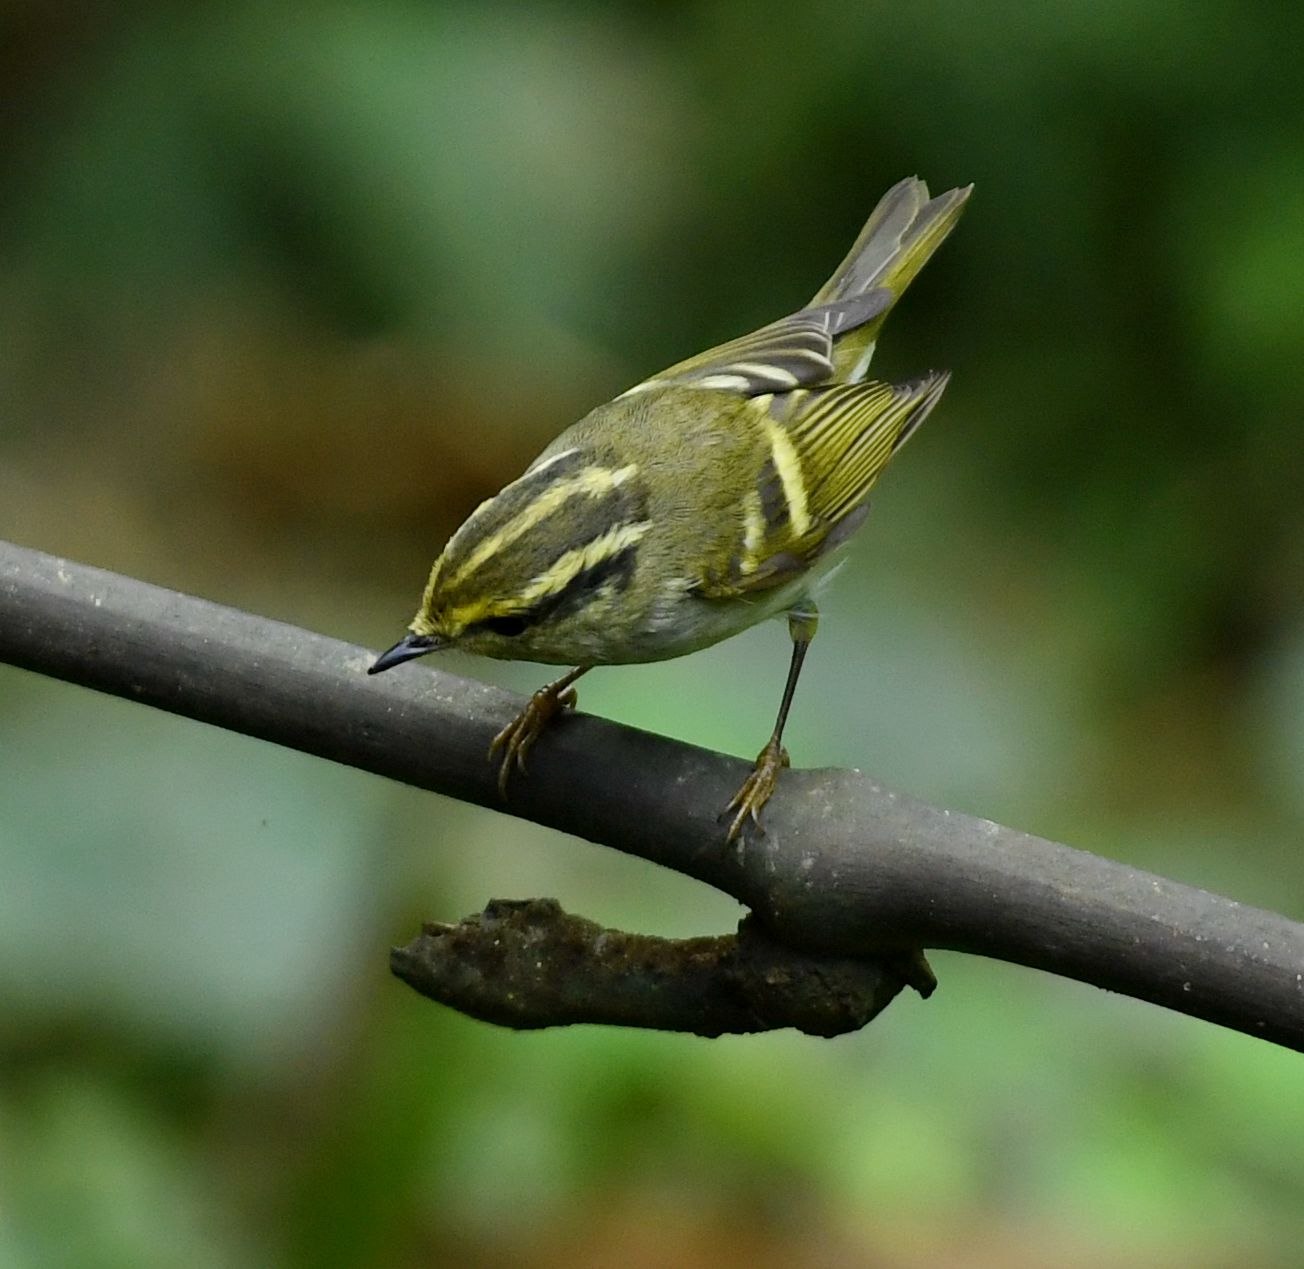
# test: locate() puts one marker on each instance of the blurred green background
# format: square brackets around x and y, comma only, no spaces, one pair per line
[286,289]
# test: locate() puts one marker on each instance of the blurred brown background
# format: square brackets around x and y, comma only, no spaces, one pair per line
[286,289]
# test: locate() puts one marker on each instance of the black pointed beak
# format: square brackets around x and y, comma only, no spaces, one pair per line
[404,650]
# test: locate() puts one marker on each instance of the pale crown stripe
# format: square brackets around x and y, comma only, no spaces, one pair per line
[640,387]
[591,482]
[542,464]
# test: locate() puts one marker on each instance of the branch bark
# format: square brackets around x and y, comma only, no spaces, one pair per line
[847,867]
[527,964]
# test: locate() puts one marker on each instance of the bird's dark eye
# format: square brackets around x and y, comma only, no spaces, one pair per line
[509,627]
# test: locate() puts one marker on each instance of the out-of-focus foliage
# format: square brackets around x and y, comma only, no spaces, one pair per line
[285,289]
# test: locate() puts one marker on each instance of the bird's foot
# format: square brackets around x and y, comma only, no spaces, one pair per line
[518,737]
[757,788]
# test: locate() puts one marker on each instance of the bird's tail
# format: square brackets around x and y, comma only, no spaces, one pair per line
[902,232]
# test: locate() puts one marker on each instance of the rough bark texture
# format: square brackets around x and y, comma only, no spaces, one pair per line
[527,964]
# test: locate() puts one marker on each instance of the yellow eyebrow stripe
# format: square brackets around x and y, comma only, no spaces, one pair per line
[788,465]
[590,482]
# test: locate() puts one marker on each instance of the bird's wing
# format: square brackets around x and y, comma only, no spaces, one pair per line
[794,352]
[827,448]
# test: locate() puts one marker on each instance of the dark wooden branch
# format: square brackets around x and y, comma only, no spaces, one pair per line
[847,867]
[527,964]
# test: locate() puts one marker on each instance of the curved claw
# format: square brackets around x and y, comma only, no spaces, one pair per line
[756,790]
[518,737]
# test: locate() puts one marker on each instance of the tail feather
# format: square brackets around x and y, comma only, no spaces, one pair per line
[902,232]
[832,339]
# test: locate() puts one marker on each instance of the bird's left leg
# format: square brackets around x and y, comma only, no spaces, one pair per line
[757,788]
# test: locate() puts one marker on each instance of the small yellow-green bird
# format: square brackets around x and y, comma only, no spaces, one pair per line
[697,503]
